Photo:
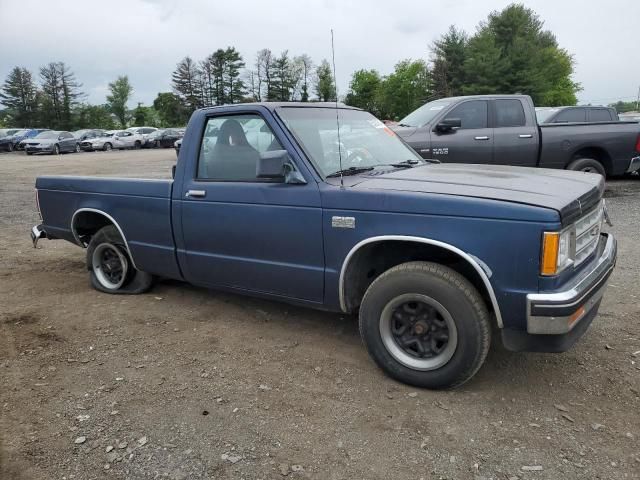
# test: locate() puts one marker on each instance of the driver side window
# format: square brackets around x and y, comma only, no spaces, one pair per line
[472,114]
[231,147]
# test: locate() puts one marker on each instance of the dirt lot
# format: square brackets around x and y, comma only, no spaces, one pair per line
[188,383]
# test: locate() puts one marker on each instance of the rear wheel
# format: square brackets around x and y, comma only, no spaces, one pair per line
[111,269]
[56,149]
[77,148]
[10,147]
[425,324]
[107,147]
[137,145]
[587,165]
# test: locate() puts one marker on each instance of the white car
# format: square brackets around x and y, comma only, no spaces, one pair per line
[113,139]
[144,132]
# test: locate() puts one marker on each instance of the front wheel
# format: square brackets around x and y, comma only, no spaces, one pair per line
[56,149]
[77,148]
[10,147]
[111,269]
[137,145]
[107,147]
[426,325]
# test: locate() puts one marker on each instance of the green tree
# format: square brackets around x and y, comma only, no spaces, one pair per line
[407,88]
[511,53]
[94,116]
[170,110]
[324,85]
[447,58]
[622,107]
[364,90]
[304,65]
[283,78]
[18,94]
[59,95]
[145,116]
[121,91]
[187,82]
[234,87]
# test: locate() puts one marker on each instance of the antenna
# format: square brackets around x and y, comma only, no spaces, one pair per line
[335,91]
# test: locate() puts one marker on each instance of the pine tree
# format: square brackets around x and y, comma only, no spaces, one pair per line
[448,57]
[187,84]
[60,92]
[18,94]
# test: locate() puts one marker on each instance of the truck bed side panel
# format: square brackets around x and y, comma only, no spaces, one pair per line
[561,141]
[141,208]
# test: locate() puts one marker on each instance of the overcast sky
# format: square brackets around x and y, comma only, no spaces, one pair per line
[145,39]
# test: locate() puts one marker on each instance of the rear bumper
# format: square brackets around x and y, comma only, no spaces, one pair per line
[634,165]
[37,233]
[556,320]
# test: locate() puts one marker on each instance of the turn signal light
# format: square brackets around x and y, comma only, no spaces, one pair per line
[550,245]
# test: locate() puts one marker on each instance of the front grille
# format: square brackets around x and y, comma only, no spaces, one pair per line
[588,233]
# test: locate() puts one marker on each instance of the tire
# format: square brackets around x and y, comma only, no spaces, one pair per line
[137,145]
[29,153]
[107,147]
[111,269]
[56,149]
[587,165]
[10,147]
[77,148]
[454,325]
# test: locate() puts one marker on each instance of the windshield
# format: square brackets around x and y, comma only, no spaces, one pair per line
[543,114]
[424,114]
[364,140]
[21,132]
[48,135]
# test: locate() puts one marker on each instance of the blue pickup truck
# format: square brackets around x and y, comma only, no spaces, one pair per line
[322,205]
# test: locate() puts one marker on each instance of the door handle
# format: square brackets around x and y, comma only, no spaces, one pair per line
[525,135]
[481,138]
[195,193]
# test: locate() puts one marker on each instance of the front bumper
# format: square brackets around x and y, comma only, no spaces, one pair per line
[556,320]
[39,148]
[634,165]
[37,233]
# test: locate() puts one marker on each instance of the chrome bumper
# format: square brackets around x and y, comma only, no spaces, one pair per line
[557,313]
[634,165]
[37,233]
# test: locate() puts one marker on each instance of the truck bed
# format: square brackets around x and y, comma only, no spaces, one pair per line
[66,202]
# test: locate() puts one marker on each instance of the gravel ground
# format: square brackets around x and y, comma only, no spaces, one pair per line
[185,383]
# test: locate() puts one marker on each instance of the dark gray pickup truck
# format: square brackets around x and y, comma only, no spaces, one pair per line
[503,130]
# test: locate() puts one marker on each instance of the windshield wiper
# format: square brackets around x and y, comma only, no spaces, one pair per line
[349,171]
[404,125]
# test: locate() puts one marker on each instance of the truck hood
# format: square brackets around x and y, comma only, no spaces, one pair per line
[571,194]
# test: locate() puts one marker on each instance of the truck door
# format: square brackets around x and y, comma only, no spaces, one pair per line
[515,138]
[472,142]
[243,232]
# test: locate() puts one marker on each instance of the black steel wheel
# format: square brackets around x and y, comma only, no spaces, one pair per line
[426,325]
[110,265]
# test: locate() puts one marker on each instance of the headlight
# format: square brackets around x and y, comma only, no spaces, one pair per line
[558,251]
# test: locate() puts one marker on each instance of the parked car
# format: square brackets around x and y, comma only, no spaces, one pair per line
[107,141]
[429,255]
[164,138]
[502,130]
[12,141]
[143,132]
[177,144]
[51,141]
[103,141]
[87,134]
[6,138]
[576,114]
[629,117]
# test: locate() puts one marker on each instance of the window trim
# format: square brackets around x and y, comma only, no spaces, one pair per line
[256,180]
[446,114]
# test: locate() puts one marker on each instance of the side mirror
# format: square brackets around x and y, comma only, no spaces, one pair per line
[448,124]
[272,164]
[277,164]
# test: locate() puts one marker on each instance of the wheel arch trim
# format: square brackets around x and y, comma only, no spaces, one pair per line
[471,260]
[108,217]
